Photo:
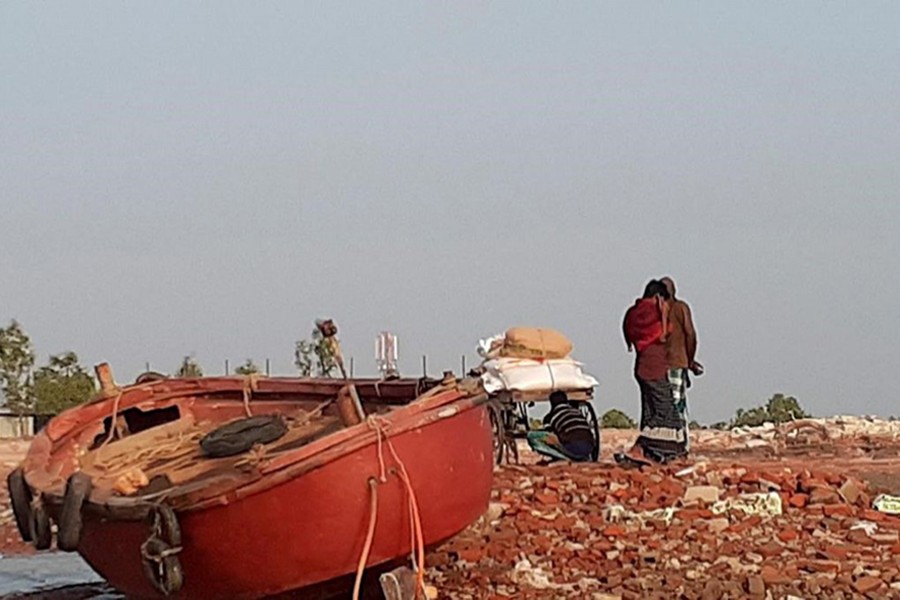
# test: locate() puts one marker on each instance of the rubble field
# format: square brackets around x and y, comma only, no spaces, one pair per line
[766,512]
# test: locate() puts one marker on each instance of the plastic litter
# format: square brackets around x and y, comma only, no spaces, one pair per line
[887,504]
[762,504]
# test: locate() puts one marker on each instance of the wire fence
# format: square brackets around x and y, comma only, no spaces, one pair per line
[229,368]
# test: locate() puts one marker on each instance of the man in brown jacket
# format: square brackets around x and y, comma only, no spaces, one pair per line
[681,348]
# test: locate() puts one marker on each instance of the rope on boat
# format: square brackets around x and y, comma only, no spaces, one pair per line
[112,420]
[250,386]
[416,523]
[417,538]
[370,536]
[115,410]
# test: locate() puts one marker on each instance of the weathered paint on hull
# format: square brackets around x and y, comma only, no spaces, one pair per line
[311,529]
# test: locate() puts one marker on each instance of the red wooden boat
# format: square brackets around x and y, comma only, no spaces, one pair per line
[132,490]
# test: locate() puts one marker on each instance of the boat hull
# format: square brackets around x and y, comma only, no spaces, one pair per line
[311,529]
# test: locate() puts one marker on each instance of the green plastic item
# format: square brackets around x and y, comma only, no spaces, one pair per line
[887,504]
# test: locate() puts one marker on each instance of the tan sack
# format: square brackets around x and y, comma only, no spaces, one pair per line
[533,342]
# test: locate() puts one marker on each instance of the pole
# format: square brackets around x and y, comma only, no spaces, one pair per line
[463,374]
[147,366]
[424,366]
[267,367]
[226,367]
[351,367]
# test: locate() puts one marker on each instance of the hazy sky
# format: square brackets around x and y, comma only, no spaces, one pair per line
[209,178]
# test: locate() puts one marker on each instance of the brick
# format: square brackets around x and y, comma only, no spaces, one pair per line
[547,498]
[799,500]
[770,549]
[756,586]
[822,566]
[823,495]
[472,555]
[860,537]
[850,491]
[837,510]
[787,535]
[867,584]
[773,576]
[719,525]
[702,493]
[692,514]
[712,590]
[614,531]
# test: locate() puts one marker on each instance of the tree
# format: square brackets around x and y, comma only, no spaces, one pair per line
[783,408]
[62,384]
[248,368]
[779,409]
[319,347]
[16,361]
[189,368]
[303,357]
[616,419]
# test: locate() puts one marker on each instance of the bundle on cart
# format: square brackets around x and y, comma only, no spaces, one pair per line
[530,359]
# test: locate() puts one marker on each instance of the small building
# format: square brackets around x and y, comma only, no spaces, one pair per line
[15,426]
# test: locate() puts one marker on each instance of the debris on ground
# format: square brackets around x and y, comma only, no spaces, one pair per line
[809,513]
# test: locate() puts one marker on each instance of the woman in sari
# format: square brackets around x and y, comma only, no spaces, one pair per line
[662,437]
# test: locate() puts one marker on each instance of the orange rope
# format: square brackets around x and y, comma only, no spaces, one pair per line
[416,522]
[367,547]
[112,420]
[249,386]
[417,538]
[378,433]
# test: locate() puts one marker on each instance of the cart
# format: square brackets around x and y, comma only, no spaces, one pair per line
[510,421]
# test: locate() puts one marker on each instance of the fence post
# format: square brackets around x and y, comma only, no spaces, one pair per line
[226,367]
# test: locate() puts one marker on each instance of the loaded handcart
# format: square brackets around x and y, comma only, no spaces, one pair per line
[520,370]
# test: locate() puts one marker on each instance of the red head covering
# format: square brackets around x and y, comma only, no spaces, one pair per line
[643,323]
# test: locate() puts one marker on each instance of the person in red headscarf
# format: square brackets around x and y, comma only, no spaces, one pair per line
[646,328]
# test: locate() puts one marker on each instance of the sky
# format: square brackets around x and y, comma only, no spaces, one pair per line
[207,179]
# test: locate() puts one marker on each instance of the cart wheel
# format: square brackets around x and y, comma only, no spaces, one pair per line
[512,422]
[522,418]
[588,410]
[499,433]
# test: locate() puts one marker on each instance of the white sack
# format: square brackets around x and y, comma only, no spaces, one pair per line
[524,375]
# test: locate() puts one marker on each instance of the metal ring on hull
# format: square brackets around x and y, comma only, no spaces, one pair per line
[159,553]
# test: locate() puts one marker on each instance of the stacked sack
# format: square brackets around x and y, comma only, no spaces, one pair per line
[529,359]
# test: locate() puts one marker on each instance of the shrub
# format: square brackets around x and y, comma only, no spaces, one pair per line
[616,419]
[779,409]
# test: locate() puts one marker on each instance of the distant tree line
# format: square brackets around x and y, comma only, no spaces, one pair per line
[48,390]
[63,383]
[778,409]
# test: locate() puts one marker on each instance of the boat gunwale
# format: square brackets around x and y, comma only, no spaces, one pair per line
[417,413]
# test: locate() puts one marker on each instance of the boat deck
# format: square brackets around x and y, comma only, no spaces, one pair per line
[167,459]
